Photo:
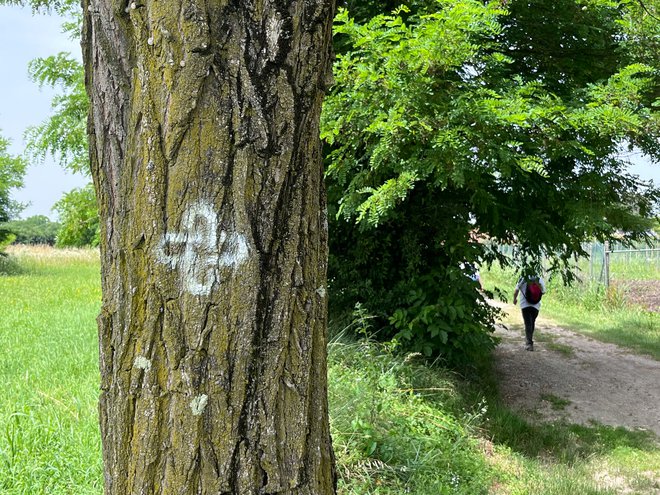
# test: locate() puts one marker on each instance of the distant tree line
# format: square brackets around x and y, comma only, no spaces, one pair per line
[37,229]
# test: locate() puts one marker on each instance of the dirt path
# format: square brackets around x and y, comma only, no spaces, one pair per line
[577,379]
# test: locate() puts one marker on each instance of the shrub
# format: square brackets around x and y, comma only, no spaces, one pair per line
[79,217]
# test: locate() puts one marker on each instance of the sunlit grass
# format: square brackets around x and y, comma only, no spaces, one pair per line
[49,440]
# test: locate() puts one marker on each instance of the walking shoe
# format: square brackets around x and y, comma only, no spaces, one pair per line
[529,347]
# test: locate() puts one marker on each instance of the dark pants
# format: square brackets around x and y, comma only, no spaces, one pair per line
[529,317]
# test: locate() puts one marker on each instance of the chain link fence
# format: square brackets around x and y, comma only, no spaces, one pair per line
[615,263]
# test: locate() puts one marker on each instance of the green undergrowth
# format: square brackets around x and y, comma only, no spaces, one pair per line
[605,314]
[400,426]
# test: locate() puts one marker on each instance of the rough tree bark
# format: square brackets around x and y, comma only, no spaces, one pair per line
[206,159]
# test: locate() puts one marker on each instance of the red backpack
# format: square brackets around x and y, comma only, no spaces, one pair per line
[533,292]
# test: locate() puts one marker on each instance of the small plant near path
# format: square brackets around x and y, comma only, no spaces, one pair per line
[557,403]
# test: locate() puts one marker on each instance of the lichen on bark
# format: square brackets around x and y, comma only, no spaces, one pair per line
[206,158]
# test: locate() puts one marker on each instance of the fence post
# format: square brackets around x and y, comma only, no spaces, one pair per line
[606,254]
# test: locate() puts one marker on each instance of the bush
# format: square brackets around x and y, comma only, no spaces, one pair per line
[79,217]
[408,274]
[8,265]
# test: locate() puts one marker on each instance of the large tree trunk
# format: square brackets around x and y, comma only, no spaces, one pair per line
[206,159]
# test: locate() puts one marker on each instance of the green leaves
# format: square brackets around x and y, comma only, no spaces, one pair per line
[79,218]
[385,198]
[465,121]
[392,90]
[60,69]
[62,7]
[64,134]
[12,170]
[426,101]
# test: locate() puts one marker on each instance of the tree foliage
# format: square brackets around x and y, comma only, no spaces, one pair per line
[454,131]
[12,169]
[63,135]
[61,7]
[79,218]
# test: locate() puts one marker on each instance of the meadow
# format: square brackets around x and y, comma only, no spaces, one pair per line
[49,440]
[400,425]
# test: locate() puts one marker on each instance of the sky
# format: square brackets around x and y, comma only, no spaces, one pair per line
[23,37]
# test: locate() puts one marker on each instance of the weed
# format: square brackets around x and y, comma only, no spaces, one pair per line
[563,349]
[557,403]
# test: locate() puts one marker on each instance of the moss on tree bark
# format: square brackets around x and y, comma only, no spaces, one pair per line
[206,159]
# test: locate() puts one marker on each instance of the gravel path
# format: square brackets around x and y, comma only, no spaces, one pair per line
[577,379]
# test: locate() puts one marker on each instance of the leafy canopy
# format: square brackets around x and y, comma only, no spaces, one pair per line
[452,131]
[12,170]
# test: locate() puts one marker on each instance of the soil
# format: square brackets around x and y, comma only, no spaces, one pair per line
[644,293]
[573,378]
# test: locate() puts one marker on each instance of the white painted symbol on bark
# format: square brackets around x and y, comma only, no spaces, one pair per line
[199,251]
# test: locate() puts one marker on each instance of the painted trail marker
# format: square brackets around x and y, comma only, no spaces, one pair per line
[199,251]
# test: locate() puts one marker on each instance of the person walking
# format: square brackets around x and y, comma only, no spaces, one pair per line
[530,288]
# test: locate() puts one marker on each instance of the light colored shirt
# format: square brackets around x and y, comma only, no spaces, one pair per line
[522,288]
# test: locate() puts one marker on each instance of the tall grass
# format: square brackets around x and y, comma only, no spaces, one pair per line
[49,441]
[626,266]
[399,426]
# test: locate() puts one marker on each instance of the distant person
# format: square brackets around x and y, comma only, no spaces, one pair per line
[472,273]
[531,288]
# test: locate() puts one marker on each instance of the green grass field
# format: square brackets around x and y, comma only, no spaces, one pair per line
[49,440]
[399,426]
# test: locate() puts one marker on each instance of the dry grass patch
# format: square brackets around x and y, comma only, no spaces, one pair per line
[45,253]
